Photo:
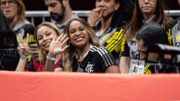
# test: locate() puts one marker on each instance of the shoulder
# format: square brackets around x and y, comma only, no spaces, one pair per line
[175,22]
[99,50]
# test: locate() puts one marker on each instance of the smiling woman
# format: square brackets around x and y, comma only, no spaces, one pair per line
[84,53]
[44,34]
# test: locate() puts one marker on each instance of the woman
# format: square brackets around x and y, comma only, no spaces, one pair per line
[108,19]
[84,53]
[145,11]
[14,11]
[5,62]
[44,34]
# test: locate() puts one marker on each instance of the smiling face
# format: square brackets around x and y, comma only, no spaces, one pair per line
[45,36]
[9,8]
[78,34]
[109,6]
[147,6]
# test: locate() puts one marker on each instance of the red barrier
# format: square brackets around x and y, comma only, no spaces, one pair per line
[88,87]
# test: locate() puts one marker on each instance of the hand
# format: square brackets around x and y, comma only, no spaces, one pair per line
[94,16]
[23,48]
[34,51]
[57,45]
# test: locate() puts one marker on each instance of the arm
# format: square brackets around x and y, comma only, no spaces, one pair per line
[112,69]
[124,64]
[24,52]
[56,48]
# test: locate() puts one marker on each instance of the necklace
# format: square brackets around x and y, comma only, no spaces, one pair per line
[79,66]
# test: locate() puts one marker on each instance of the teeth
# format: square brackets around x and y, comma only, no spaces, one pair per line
[47,44]
[79,38]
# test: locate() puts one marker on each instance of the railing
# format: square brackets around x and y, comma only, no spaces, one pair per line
[44,14]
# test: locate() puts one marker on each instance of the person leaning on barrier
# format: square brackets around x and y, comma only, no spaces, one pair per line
[44,34]
[145,11]
[6,63]
[14,10]
[153,33]
[176,33]
[84,53]
[108,20]
[60,11]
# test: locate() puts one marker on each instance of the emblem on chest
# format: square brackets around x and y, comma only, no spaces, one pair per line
[89,68]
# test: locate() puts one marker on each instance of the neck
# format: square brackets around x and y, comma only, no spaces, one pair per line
[82,51]
[147,16]
[67,15]
[105,22]
[12,22]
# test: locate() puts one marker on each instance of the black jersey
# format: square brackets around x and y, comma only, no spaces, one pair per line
[97,59]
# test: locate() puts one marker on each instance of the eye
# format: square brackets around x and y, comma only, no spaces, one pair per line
[106,0]
[72,31]
[53,5]
[48,34]
[81,29]
[39,38]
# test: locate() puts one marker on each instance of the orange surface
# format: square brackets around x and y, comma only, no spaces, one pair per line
[88,87]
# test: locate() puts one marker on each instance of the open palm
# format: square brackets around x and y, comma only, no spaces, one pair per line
[57,45]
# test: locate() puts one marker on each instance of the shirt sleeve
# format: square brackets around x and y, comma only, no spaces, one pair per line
[30,67]
[60,64]
[105,58]
[125,51]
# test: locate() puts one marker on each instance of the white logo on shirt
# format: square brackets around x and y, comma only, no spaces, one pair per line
[89,68]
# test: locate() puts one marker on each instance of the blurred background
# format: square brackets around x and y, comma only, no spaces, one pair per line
[38,5]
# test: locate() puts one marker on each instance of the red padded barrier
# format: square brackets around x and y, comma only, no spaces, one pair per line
[63,86]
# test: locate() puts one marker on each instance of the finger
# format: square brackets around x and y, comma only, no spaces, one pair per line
[21,46]
[65,47]
[21,39]
[101,13]
[97,9]
[54,39]
[33,49]
[63,38]
[33,45]
[59,38]
[27,38]
[65,41]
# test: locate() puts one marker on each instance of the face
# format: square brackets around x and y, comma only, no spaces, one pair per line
[45,36]
[147,6]
[142,49]
[56,9]
[109,6]
[78,34]
[9,8]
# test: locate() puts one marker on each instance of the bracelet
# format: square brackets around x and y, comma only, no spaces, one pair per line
[93,27]
[50,58]
[24,57]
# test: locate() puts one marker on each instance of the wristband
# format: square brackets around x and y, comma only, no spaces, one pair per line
[93,27]
[24,57]
[50,58]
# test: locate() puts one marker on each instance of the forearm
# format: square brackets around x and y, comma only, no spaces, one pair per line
[124,64]
[21,65]
[112,69]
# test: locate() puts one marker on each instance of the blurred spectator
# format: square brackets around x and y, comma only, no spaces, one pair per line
[152,33]
[6,63]
[60,11]
[145,11]
[44,35]
[14,10]
[108,20]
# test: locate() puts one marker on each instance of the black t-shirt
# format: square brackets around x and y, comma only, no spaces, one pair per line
[97,59]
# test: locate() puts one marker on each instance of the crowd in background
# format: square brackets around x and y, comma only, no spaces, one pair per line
[115,39]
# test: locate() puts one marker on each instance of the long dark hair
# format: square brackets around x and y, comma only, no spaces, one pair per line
[68,54]
[123,14]
[3,22]
[136,22]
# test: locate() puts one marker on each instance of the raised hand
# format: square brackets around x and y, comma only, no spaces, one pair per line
[23,48]
[57,45]
[95,15]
